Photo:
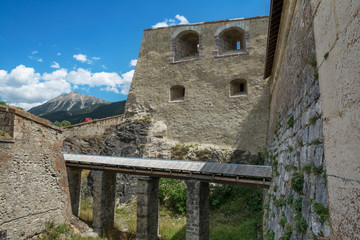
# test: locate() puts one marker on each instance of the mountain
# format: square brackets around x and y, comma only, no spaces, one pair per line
[67,102]
[95,112]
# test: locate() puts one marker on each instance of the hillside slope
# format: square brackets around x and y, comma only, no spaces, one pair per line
[67,102]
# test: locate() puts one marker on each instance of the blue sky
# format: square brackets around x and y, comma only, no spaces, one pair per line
[51,47]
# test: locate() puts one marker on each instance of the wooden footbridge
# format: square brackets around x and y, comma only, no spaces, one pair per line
[225,173]
[197,176]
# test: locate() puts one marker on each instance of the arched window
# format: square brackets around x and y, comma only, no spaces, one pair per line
[177,93]
[230,40]
[187,45]
[238,87]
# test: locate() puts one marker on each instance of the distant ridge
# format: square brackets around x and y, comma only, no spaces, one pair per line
[74,106]
[67,102]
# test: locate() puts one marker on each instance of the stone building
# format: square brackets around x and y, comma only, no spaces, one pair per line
[205,82]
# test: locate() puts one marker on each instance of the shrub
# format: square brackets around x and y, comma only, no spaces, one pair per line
[269,235]
[300,223]
[179,151]
[283,221]
[291,121]
[322,211]
[287,234]
[297,182]
[172,193]
[2,103]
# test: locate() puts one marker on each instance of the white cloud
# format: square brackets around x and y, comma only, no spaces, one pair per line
[55,65]
[34,52]
[80,57]
[23,87]
[39,60]
[95,58]
[58,54]
[133,62]
[180,20]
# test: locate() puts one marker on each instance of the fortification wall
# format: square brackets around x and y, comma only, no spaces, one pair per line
[33,182]
[337,38]
[209,111]
[298,196]
[92,128]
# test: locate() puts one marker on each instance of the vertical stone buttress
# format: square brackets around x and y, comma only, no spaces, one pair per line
[197,210]
[104,201]
[147,208]
[74,179]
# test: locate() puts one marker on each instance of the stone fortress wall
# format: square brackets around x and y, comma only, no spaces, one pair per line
[295,137]
[33,182]
[205,82]
[93,128]
[314,125]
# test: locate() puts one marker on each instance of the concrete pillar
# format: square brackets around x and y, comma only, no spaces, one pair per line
[197,210]
[147,208]
[104,201]
[74,180]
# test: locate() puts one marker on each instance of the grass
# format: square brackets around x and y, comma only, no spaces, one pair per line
[297,182]
[322,211]
[62,231]
[235,213]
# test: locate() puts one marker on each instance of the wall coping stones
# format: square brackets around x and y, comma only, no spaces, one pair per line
[93,121]
[30,117]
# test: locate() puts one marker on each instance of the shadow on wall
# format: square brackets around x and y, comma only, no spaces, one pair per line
[255,133]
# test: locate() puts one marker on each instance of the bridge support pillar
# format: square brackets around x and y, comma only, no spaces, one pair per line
[147,208]
[197,210]
[74,180]
[104,201]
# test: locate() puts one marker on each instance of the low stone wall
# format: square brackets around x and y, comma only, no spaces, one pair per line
[33,182]
[92,128]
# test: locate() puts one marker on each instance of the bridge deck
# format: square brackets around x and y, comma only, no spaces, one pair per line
[239,174]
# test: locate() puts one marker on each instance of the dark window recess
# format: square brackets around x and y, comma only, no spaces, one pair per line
[177,93]
[238,87]
[231,39]
[3,235]
[187,45]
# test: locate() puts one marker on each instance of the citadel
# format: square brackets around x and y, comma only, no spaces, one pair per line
[286,85]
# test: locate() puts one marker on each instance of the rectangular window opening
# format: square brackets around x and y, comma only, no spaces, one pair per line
[238,45]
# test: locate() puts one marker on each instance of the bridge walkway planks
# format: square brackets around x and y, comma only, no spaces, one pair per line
[225,173]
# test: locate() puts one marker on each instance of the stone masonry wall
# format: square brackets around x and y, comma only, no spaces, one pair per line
[296,205]
[95,127]
[33,183]
[208,114]
[337,38]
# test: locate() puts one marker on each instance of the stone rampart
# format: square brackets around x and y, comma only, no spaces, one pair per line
[33,183]
[93,128]
[297,202]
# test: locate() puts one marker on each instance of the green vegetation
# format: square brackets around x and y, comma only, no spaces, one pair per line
[62,231]
[4,134]
[259,159]
[288,232]
[2,103]
[172,194]
[322,211]
[291,121]
[235,212]
[280,202]
[300,223]
[311,168]
[269,235]
[64,123]
[297,182]
[313,119]
[283,221]
[315,142]
[179,151]
[312,61]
